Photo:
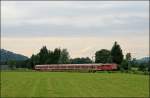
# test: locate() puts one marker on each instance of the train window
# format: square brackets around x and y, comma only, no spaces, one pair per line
[91,66]
[36,67]
[70,66]
[77,66]
[63,66]
[39,67]
[83,66]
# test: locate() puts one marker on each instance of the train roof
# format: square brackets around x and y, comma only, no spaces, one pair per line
[75,64]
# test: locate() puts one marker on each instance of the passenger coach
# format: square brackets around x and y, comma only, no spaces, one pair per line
[76,67]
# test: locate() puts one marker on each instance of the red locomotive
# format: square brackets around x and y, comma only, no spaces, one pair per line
[76,67]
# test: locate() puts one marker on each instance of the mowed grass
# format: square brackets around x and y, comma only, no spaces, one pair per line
[68,84]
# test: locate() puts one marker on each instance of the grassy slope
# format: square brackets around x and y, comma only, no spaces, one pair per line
[55,84]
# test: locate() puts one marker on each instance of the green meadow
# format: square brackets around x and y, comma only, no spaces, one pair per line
[73,84]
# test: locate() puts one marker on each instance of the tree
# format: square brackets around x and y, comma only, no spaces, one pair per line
[29,63]
[43,55]
[124,65]
[102,56]
[49,59]
[81,60]
[143,67]
[134,62]
[46,56]
[116,53]
[21,64]
[12,64]
[128,56]
[35,59]
[64,57]
[56,55]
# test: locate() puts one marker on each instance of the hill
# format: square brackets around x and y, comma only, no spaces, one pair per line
[144,60]
[8,55]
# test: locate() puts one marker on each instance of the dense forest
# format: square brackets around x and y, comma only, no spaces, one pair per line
[61,56]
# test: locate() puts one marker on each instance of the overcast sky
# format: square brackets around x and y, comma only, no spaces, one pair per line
[82,27]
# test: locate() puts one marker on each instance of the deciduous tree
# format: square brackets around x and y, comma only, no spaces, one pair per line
[102,56]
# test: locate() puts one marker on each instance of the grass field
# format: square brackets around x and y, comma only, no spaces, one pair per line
[65,84]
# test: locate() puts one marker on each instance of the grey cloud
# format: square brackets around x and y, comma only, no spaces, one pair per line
[106,19]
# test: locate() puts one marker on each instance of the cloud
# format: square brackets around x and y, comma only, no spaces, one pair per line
[77,46]
[80,26]
[73,15]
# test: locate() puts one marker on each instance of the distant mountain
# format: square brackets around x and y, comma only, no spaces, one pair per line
[144,60]
[8,55]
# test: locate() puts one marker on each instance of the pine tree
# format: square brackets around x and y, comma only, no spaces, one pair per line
[56,55]
[116,53]
[43,55]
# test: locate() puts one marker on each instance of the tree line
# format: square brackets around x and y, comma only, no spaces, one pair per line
[61,56]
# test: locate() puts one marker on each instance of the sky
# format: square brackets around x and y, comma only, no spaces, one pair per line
[83,27]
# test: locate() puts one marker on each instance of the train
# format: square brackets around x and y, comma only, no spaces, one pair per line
[76,67]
